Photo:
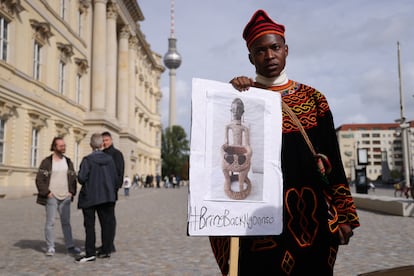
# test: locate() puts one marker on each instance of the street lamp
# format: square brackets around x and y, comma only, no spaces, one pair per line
[403,125]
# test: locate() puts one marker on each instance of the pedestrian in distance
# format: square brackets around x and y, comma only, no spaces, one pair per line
[135,181]
[166,182]
[148,181]
[127,185]
[318,210]
[118,158]
[98,177]
[158,179]
[56,186]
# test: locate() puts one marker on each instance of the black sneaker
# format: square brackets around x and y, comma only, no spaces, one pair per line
[99,249]
[85,259]
[75,251]
[102,255]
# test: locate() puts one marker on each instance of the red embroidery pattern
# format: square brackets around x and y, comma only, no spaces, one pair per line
[332,256]
[221,250]
[306,102]
[262,244]
[345,205]
[301,207]
[288,263]
[332,213]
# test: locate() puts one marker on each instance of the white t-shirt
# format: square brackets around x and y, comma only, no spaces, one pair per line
[59,179]
[127,182]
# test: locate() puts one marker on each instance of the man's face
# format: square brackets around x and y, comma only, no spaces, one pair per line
[268,54]
[107,141]
[60,147]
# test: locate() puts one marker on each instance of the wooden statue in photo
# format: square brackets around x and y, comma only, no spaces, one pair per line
[236,154]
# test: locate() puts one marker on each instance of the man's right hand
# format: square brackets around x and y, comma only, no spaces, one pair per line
[242,83]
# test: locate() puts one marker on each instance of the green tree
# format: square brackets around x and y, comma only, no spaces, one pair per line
[175,152]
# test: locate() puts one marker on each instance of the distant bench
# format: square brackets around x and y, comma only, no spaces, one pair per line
[385,204]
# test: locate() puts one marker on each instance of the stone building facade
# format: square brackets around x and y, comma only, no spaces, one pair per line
[71,68]
[383,144]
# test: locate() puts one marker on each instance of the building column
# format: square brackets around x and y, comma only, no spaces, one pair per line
[99,55]
[123,77]
[111,61]
[133,42]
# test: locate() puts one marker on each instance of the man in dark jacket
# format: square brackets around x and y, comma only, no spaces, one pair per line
[97,175]
[120,165]
[56,185]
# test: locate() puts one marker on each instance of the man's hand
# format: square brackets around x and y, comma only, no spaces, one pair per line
[242,83]
[50,195]
[345,233]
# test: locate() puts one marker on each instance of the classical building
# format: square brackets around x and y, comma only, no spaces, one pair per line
[71,68]
[383,144]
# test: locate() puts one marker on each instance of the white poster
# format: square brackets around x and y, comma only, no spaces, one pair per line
[235,168]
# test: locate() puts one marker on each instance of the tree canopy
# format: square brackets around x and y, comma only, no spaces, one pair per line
[175,152]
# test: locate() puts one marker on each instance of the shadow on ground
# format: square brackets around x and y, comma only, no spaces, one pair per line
[40,245]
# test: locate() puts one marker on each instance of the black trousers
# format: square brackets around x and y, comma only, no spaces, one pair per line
[112,226]
[105,213]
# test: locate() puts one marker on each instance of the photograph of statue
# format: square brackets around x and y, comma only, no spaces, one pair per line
[237,154]
[235,165]
[237,147]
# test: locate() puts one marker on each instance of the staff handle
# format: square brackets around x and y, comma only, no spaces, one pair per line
[234,256]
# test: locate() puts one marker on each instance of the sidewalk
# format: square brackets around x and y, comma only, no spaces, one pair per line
[151,240]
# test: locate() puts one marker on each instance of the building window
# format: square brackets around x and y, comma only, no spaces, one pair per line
[78,88]
[61,77]
[347,135]
[36,60]
[157,106]
[365,135]
[2,123]
[76,156]
[3,38]
[63,8]
[158,139]
[34,149]
[80,25]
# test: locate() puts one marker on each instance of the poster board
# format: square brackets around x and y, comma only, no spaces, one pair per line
[235,167]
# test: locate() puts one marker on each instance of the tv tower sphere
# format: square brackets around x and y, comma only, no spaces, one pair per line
[172,58]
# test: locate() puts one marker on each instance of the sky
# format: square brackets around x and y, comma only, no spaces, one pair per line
[346,49]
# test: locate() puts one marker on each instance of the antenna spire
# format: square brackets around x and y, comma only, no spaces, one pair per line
[172,19]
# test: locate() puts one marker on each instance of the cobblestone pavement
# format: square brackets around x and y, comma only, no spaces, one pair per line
[151,240]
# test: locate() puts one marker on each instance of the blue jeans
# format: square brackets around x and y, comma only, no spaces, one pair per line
[63,207]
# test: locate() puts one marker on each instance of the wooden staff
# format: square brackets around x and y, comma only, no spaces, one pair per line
[234,256]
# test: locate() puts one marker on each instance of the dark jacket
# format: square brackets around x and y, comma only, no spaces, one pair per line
[97,175]
[119,163]
[43,179]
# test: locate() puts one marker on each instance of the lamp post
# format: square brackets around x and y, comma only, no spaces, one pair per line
[404,126]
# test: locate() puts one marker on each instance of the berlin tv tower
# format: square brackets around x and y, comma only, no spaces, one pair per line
[172,61]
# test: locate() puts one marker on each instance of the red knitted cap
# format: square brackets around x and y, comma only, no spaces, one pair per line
[261,24]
